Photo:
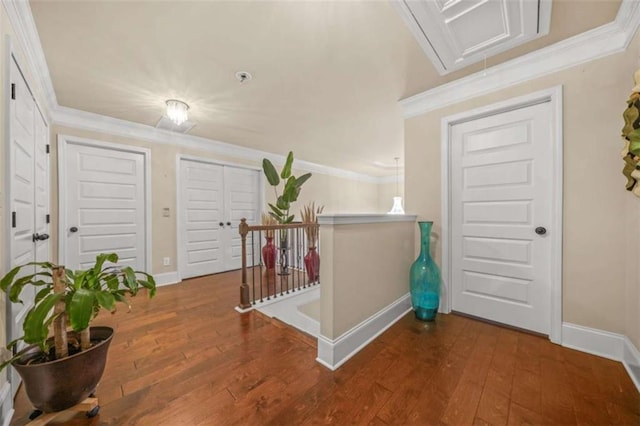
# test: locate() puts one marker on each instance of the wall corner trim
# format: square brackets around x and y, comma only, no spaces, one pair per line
[617,347]
[599,42]
[333,353]
[167,278]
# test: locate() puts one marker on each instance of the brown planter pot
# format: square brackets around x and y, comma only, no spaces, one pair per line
[63,383]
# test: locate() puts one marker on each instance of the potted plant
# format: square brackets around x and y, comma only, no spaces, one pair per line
[288,195]
[61,371]
[309,215]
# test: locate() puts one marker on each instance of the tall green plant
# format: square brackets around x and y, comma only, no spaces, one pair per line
[76,296]
[290,191]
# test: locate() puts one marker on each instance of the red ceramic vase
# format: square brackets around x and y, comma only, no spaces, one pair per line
[269,254]
[312,264]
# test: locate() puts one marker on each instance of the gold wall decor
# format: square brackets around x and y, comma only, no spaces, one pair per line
[631,135]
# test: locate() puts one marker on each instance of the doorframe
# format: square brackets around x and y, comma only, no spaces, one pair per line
[63,142]
[552,95]
[179,225]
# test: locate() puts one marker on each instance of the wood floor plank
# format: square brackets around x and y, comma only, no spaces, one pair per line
[188,358]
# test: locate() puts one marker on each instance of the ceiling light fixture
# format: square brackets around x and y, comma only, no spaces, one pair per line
[177,111]
[397,200]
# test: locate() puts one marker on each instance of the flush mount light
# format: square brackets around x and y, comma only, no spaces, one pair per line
[177,111]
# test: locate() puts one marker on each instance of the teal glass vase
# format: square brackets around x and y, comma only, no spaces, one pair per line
[425,279]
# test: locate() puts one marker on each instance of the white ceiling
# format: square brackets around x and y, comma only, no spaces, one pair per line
[327,75]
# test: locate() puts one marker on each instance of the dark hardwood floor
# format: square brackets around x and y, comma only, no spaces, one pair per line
[187,358]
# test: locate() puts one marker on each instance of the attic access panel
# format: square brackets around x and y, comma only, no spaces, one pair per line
[457,33]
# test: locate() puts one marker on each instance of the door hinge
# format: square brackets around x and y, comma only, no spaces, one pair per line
[47,218]
[13,219]
[13,90]
[48,148]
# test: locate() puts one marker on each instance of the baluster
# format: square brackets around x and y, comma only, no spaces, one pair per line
[244,287]
[253,267]
[261,260]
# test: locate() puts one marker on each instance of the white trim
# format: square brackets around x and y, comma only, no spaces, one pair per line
[26,34]
[352,219]
[631,361]
[333,353]
[167,278]
[554,96]
[63,142]
[605,344]
[6,404]
[608,39]
[74,118]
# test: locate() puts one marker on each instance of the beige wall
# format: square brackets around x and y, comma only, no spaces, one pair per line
[364,268]
[336,194]
[386,192]
[600,217]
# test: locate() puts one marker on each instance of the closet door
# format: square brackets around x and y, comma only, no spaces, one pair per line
[201,212]
[242,200]
[28,196]
[212,200]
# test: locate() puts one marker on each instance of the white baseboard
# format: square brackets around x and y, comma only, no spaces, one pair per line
[333,353]
[631,361]
[166,278]
[6,404]
[609,345]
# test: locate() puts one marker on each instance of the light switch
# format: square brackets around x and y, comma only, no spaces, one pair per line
[166,212]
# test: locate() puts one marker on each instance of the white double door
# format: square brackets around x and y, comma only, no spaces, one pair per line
[212,200]
[501,193]
[103,192]
[28,195]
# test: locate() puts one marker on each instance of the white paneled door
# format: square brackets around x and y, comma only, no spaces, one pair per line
[501,191]
[28,193]
[105,207]
[213,199]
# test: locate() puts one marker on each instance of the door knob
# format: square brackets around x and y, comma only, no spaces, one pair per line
[221,224]
[541,230]
[73,229]
[228,223]
[40,237]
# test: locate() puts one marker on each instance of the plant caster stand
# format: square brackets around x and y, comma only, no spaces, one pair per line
[89,406]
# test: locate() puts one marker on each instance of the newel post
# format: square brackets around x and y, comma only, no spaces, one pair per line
[244,287]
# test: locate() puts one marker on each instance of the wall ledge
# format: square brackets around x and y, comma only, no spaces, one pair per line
[617,347]
[362,218]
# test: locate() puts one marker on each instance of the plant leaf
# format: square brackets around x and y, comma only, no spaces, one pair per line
[81,308]
[302,179]
[43,293]
[8,279]
[130,281]
[101,258]
[106,300]
[120,297]
[283,204]
[286,170]
[276,210]
[270,172]
[35,330]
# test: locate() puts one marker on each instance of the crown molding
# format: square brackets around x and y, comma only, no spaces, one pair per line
[605,40]
[27,39]
[77,119]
